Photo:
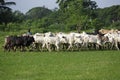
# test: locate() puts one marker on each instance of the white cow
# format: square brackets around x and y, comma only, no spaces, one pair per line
[49,34]
[69,38]
[91,39]
[114,39]
[54,40]
[39,39]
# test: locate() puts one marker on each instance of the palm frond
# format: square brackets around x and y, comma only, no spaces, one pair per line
[10,3]
[5,7]
[2,1]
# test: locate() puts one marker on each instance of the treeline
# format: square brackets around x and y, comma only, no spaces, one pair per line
[72,15]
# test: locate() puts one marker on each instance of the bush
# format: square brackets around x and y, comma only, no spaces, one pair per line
[13,27]
[2,27]
[57,28]
[115,25]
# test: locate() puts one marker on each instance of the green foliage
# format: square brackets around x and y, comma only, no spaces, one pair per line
[109,16]
[57,28]
[115,25]
[96,24]
[38,13]
[18,16]
[5,12]
[2,27]
[5,16]
[13,27]
[72,15]
[78,13]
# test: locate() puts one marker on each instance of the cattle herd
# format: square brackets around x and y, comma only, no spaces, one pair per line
[104,39]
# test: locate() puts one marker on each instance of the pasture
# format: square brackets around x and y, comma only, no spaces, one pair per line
[63,65]
[82,65]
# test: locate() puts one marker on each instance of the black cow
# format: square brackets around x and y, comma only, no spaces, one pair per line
[14,42]
[27,41]
[8,42]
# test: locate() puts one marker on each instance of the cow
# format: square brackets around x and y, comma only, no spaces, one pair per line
[39,40]
[27,41]
[54,40]
[9,42]
[114,39]
[105,31]
[14,42]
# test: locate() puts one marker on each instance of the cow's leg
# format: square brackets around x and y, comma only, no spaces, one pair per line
[48,47]
[37,46]
[112,45]
[43,46]
[99,46]
[5,47]
[22,48]
[86,45]
[14,48]
[70,46]
[116,45]
[57,46]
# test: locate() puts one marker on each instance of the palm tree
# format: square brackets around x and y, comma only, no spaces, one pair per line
[5,12]
[4,5]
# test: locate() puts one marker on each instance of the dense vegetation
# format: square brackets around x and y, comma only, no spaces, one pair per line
[72,15]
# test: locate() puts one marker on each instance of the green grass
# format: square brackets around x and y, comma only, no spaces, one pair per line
[83,65]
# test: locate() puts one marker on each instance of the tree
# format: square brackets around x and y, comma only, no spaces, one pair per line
[4,5]
[38,13]
[77,11]
[77,4]
[5,12]
[18,16]
[109,15]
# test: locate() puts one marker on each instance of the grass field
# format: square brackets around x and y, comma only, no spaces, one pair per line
[84,65]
